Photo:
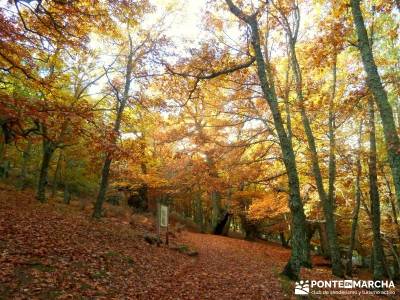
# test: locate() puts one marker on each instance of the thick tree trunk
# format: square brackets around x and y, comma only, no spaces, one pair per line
[215,195]
[97,212]
[354,224]
[392,202]
[67,192]
[24,167]
[396,262]
[323,237]
[48,150]
[327,204]
[4,162]
[332,141]
[199,218]
[222,224]
[378,252]
[143,191]
[216,207]
[380,96]
[286,101]
[300,249]
[98,206]
[398,112]
[394,213]
[56,175]
[2,146]
[284,242]
[250,229]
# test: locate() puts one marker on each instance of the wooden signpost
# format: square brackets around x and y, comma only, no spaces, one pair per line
[162,220]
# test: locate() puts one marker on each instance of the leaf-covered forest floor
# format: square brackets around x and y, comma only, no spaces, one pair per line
[54,251]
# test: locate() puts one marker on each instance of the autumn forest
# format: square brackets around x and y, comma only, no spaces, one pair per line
[269,131]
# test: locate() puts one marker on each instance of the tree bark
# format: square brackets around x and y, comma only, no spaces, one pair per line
[24,167]
[284,242]
[67,194]
[323,236]
[56,175]
[4,162]
[48,150]
[67,191]
[215,195]
[97,212]
[286,101]
[378,252]
[300,254]
[327,204]
[143,190]
[392,202]
[332,141]
[354,224]
[380,96]
[199,218]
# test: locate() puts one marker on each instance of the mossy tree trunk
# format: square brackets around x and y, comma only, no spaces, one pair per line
[26,154]
[48,149]
[300,254]
[122,102]
[375,85]
[356,210]
[378,252]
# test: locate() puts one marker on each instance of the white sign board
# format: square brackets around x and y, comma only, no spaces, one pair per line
[163,216]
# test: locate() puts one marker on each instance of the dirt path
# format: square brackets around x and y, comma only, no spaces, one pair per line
[229,268]
[53,251]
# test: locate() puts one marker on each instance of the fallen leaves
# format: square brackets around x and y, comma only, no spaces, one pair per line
[53,251]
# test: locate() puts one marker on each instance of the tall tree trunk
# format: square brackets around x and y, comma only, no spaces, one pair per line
[398,111]
[324,240]
[4,162]
[97,212]
[300,254]
[327,204]
[286,99]
[380,96]
[2,145]
[332,141]
[143,190]
[66,177]
[378,252]
[56,175]
[48,150]
[216,207]
[67,194]
[199,218]
[215,195]
[354,224]
[396,261]
[24,167]
[284,242]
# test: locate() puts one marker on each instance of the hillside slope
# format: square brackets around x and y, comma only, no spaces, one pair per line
[53,251]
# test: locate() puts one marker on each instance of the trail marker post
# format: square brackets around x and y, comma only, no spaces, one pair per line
[163,221]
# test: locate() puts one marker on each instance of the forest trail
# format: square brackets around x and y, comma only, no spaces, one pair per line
[228,268]
[54,251]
